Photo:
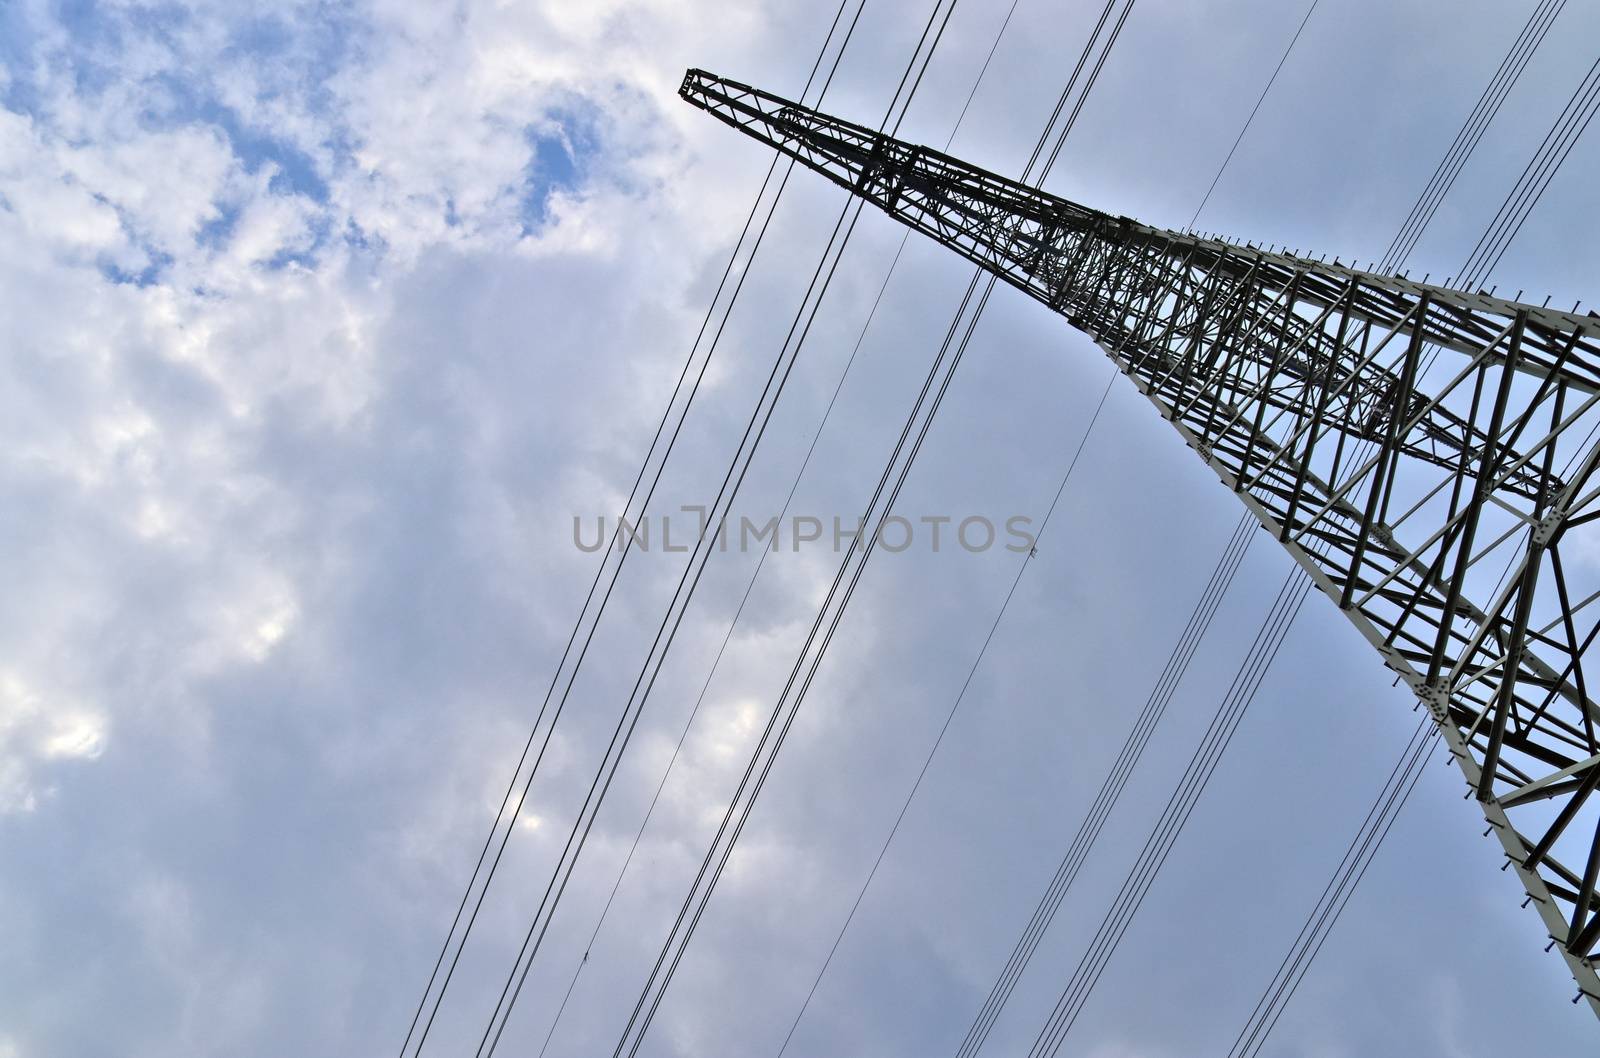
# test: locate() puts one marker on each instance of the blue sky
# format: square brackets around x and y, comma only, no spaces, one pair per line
[320,326]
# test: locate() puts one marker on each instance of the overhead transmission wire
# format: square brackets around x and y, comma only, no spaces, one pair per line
[1251,119]
[716,662]
[674,945]
[1501,231]
[1330,904]
[1530,187]
[1111,787]
[1471,132]
[501,815]
[950,715]
[1352,867]
[628,721]
[1214,743]
[741,804]
[805,463]
[715,665]
[1202,765]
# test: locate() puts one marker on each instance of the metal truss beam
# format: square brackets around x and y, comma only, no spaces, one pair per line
[1402,441]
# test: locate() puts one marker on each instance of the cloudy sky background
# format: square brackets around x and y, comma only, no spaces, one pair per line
[320,326]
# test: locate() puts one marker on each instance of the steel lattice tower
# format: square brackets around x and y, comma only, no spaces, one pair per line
[1299,383]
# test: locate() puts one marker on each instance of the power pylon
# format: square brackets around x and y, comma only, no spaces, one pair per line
[1304,385]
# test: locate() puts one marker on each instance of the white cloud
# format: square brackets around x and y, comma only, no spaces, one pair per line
[39,729]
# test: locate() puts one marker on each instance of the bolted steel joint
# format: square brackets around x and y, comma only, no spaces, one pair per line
[1545,531]
[1437,699]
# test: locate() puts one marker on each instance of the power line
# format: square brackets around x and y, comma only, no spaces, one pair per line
[722,647]
[1111,787]
[1330,905]
[1249,120]
[741,805]
[1202,765]
[628,721]
[500,815]
[786,708]
[1471,133]
[949,716]
[761,562]
[1536,176]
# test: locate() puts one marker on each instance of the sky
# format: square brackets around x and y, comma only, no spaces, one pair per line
[322,325]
